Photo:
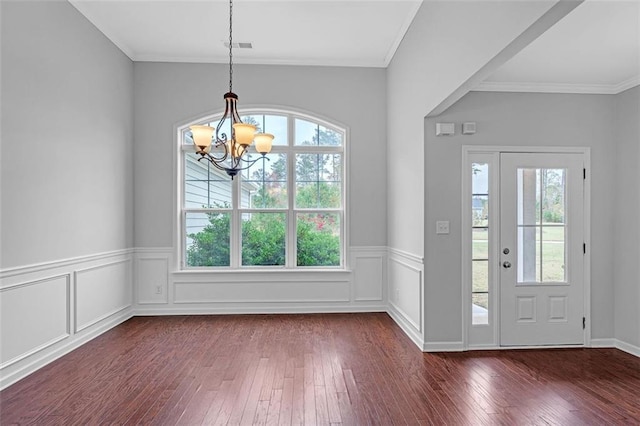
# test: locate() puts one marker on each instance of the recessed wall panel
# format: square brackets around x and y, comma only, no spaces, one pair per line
[261,292]
[368,278]
[33,315]
[405,293]
[152,280]
[102,291]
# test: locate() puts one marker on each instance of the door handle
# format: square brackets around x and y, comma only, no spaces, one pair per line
[506,264]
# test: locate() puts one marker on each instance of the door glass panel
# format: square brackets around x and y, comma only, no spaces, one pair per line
[480,243]
[480,313]
[553,253]
[480,273]
[541,226]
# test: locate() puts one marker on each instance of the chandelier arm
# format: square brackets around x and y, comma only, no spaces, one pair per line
[235,116]
[249,163]
[222,137]
[220,158]
[253,161]
[215,163]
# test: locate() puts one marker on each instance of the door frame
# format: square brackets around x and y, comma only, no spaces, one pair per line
[491,333]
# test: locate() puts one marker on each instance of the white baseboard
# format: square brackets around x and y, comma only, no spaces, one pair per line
[616,343]
[603,343]
[405,326]
[443,347]
[627,347]
[239,310]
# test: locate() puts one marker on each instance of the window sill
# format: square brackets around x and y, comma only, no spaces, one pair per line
[263,271]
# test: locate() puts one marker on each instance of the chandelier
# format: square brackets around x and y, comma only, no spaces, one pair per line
[230,151]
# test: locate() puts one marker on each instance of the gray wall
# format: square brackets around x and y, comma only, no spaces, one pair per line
[626,249]
[447,43]
[516,119]
[67,184]
[66,167]
[167,94]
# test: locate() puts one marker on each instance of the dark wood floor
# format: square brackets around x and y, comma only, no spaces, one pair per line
[350,369]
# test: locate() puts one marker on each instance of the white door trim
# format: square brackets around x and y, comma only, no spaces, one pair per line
[468,150]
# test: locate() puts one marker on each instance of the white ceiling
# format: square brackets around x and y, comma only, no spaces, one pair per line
[594,49]
[295,32]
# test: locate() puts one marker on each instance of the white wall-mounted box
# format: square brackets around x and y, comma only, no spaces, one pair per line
[445,129]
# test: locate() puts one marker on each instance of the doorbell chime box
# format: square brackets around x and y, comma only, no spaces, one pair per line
[445,129]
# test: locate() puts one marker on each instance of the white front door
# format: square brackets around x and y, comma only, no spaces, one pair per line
[541,249]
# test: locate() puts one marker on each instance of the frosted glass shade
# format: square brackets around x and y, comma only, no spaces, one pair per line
[244,133]
[202,136]
[263,142]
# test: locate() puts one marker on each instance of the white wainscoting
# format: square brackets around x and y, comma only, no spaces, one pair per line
[23,308]
[405,287]
[49,309]
[102,291]
[152,277]
[360,288]
[370,274]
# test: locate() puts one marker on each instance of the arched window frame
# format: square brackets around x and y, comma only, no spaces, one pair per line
[291,211]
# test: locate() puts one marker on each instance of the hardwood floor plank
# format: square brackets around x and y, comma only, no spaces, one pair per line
[248,412]
[286,407]
[320,369]
[310,409]
[331,391]
[297,414]
[275,404]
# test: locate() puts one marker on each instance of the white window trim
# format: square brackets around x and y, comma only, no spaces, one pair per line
[179,243]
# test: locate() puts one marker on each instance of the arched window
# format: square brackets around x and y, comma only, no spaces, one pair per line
[285,211]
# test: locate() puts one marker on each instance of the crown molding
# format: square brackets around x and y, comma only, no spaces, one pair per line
[403,31]
[317,62]
[597,89]
[628,84]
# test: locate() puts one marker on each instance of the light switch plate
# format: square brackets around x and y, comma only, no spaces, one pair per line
[442,227]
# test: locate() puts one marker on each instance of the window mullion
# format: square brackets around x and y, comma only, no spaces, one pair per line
[291,215]
[236,231]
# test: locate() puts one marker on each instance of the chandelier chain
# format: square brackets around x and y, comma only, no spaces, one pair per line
[230,45]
